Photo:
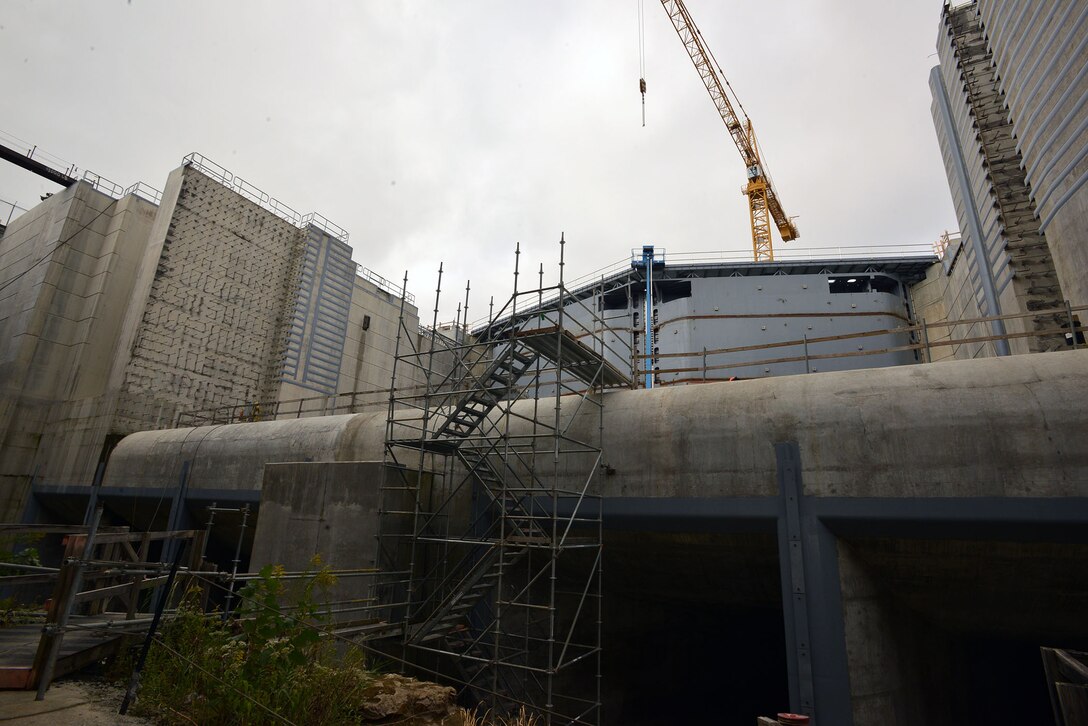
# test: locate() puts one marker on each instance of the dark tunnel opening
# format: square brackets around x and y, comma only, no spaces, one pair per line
[693,629]
[948,632]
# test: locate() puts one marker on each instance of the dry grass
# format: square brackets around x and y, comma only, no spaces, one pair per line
[522,718]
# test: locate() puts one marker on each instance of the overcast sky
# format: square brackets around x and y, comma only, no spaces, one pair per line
[449,131]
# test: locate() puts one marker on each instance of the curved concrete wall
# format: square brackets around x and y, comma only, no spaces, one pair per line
[233,456]
[995,427]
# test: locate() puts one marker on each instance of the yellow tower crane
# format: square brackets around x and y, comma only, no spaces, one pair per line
[763,200]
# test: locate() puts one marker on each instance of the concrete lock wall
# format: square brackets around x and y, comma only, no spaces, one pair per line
[220,296]
[323,509]
[1041,55]
[991,427]
[72,263]
[900,500]
[1003,262]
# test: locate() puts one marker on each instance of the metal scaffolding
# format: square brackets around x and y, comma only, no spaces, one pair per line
[489,501]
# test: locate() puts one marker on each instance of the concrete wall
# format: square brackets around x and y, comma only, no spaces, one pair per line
[931,299]
[67,268]
[323,509]
[961,428]
[221,293]
[319,320]
[234,456]
[1003,260]
[369,353]
[926,509]
[1040,48]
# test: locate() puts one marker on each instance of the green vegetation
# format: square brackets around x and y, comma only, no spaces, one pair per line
[16,551]
[269,661]
[271,664]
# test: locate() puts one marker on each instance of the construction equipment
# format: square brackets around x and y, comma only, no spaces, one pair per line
[763,200]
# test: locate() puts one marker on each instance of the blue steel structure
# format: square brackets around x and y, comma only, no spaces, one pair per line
[648,262]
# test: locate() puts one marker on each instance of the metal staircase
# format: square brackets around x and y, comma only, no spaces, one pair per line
[477,509]
[470,412]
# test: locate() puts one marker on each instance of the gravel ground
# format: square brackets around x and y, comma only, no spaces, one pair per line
[86,702]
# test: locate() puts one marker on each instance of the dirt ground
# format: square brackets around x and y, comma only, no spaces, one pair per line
[68,702]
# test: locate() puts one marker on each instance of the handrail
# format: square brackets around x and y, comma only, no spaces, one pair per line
[925,344]
[841,253]
[103,184]
[270,204]
[261,198]
[321,222]
[145,191]
[387,285]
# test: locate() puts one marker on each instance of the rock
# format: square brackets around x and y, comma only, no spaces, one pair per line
[408,702]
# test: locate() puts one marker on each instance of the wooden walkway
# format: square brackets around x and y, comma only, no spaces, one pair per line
[80,648]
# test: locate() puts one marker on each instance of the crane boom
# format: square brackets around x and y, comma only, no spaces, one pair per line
[763,201]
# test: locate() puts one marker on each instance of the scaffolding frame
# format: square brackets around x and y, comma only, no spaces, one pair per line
[488,500]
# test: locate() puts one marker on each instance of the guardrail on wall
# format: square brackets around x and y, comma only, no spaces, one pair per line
[925,343]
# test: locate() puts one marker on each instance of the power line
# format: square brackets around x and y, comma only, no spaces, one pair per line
[48,256]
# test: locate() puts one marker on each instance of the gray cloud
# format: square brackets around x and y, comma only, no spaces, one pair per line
[449,131]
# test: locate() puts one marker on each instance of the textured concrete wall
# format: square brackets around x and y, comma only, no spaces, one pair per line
[1004,256]
[930,302]
[67,268]
[1040,48]
[234,456]
[947,439]
[319,319]
[221,296]
[321,509]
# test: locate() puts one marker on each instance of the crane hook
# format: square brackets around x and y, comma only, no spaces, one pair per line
[642,88]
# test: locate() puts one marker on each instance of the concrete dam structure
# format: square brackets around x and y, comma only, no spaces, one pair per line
[884,546]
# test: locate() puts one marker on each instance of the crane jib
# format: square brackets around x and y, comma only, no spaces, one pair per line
[762,198]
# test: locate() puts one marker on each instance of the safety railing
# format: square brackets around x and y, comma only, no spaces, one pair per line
[313,219]
[104,185]
[9,211]
[388,286]
[261,198]
[327,405]
[43,157]
[97,181]
[145,191]
[923,341]
[840,253]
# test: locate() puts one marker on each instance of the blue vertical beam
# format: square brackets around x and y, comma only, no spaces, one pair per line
[816,662]
[648,265]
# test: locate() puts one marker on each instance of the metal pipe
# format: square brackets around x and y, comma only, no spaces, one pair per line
[234,564]
[45,677]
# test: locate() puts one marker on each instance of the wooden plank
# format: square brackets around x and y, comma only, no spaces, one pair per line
[131,552]
[1074,701]
[123,588]
[852,354]
[784,344]
[137,536]
[14,678]
[1072,667]
[1009,316]
[134,587]
[1051,672]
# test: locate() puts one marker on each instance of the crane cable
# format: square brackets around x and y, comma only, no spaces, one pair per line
[642,56]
